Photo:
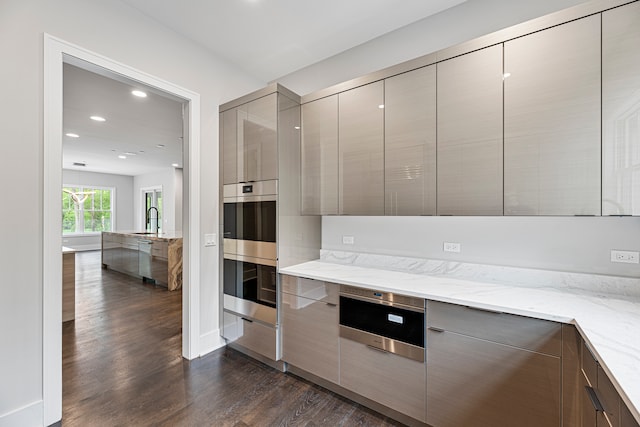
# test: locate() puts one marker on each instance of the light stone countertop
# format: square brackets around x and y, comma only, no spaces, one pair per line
[605,309]
[169,235]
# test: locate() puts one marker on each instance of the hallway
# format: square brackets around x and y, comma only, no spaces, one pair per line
[122,365]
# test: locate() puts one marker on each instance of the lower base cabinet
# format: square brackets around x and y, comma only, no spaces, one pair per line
[251,335]
[391,380]
[310,333]
[477,383]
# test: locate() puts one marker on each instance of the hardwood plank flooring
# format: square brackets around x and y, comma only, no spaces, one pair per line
[122,365]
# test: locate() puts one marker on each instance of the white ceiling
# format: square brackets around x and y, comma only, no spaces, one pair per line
[134,125]
[271,38]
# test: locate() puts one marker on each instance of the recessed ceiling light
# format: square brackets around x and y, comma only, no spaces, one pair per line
[72,135]
[122,156]
[505,75]
[139,93]
[296,127]
[160,145]
[98,118]
[129,153]
[175,165]
[381,106]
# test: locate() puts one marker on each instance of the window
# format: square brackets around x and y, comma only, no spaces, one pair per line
[87,210]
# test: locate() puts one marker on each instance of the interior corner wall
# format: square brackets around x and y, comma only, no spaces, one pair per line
[123,214]
[121,33]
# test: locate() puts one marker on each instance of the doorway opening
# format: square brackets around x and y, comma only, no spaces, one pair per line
[56,53]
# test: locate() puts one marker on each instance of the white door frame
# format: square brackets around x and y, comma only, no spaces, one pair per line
[55,51]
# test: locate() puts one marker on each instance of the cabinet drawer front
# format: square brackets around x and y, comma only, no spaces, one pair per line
[160,249]
[391,380]
[473,382]
[310,336]
[309,288]
[589,366]
[524,332]
[609,398]
[251,335]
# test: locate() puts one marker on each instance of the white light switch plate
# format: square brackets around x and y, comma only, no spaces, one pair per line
[210,239]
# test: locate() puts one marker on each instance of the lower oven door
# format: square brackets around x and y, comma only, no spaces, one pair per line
[250,289]
[396,329]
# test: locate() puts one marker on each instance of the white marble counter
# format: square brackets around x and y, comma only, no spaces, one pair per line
[605,309]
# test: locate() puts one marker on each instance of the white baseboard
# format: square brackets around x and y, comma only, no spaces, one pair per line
[211,341]
[28,416]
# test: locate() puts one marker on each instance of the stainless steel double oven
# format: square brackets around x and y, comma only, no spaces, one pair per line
[250,255]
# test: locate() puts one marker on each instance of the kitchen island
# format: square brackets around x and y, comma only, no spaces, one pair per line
[155,257]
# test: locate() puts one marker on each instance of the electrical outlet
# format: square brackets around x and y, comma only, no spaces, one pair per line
[630,257]
[348,240]
[210,239]
[451,247]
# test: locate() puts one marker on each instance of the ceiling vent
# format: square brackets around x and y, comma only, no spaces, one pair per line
[81,164]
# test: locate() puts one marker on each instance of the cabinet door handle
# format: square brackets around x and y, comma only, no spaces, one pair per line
[594,399]
[378,349]
[330,304]
[486,310]
[247,320]
[434,329]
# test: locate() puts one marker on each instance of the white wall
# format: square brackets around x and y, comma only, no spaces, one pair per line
[165,179]
[123,214]
[461,23]
[580,244]
[112,29]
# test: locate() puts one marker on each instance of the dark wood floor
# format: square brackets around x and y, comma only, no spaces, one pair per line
[122,365]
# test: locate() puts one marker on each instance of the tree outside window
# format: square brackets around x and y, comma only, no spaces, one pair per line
[86,210]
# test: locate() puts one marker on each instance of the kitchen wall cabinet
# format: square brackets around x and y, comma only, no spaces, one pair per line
[488,369]
[319,157]
[469,153]
[258,139]
[310,335]
[621,110]
[552,121]
[391,380]
[361,150]
[249,140]
[228,137]
[410,143]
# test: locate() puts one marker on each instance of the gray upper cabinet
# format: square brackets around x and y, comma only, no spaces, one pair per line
[552,121]
[410,143]
[257,138]
[228,133]
[361,150]
[621,110]
[320,157]
[469,153]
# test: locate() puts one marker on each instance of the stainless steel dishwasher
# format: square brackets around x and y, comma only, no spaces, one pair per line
[145,259]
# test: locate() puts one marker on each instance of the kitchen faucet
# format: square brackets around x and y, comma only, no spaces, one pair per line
[157,218]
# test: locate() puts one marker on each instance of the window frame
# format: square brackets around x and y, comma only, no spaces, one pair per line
[85,187]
